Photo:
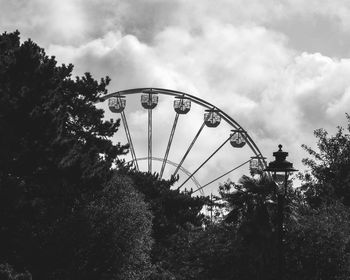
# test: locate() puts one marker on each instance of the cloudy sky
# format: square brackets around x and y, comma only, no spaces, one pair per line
[279,68]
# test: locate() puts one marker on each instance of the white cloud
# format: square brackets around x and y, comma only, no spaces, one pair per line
[228,53]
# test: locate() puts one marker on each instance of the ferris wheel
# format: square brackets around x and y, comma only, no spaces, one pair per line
[182,104]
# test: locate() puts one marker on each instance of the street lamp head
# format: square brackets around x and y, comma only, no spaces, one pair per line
[280,164]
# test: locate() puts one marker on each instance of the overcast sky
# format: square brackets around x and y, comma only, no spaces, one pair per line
[279,68]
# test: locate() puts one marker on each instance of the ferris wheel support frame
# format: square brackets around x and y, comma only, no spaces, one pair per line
[194,172]
[200,102]
[169,144]
[189,148]
[128,136]
[150,140]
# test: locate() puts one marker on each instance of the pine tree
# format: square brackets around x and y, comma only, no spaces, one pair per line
[55,153]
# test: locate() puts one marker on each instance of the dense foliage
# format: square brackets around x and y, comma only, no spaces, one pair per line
[329,177]
[7,273]
[119,242]
[318,243]
[174,213]
[244,245]
[55,165]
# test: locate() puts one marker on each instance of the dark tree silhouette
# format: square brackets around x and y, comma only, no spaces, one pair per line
[317,243]
[7,273]
[54,154]
[118,241]
[329,176]
[242,246]
[174,213]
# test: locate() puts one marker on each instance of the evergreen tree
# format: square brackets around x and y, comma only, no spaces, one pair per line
[55,155]
[118,244]
[175,213]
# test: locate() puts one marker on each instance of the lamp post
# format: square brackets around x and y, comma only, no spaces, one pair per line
[284,167]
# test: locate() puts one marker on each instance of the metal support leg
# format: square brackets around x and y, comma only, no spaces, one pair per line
[189,148]
[128,136]
[228,172]
[205,162]
[169,145]
[150,140]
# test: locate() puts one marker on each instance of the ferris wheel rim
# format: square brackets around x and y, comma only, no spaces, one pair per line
[200,102]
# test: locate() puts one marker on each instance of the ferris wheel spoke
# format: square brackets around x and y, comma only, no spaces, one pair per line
[226,173]
[169,145]
[128,136]
[189,148]
[218,149]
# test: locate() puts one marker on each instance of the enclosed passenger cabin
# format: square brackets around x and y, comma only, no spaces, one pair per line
[116,104]
[149,100]
[182,105]
[256,165]
[212,118]
[237,140]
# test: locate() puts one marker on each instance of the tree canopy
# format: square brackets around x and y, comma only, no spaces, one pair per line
[328,178]
[55,164]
